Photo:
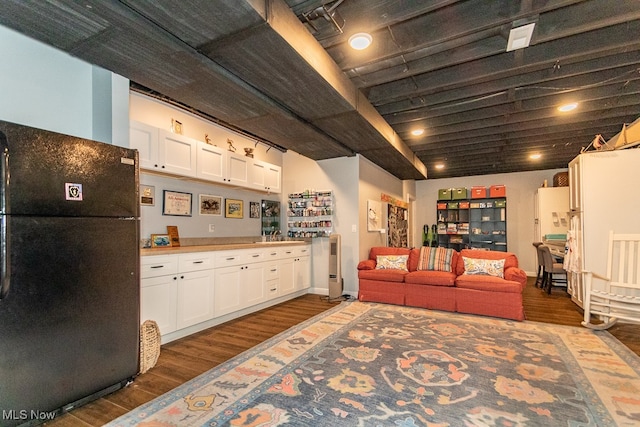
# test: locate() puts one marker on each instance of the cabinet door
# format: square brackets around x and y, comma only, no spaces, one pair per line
[158,302]
[254,284]
[287,276]
[195,298]
[211,162]
[258,175]
[273,178]
[238,169]
[302,272]
[227,296]
[144,138]
[178,154]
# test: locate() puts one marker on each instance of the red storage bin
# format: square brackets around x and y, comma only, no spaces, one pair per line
[478,192]
[497,191]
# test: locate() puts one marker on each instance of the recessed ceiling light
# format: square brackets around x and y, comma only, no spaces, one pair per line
[439,166]
[568,107]
[360,41]
[535,156]
[417,132]
[520,37]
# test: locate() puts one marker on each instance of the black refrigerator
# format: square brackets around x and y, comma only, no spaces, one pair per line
[69,295]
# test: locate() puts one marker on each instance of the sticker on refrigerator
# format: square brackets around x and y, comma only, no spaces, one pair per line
[73,191]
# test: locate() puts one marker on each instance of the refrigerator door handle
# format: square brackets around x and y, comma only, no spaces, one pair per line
[5,268]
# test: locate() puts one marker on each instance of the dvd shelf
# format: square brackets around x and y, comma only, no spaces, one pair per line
[310,214]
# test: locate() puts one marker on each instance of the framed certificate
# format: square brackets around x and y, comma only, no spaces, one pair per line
[176,203]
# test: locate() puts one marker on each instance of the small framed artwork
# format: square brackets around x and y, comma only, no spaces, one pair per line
[176,203]
[160,241]
[254,209]
[233,208]
[210,205]
[176,126]
[147,195]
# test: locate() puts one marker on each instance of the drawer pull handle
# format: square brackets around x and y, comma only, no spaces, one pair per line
[256,255]
[274,270]
[231,259]
[157,266]
[198,262]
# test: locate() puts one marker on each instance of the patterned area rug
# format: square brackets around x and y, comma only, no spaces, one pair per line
[365,364]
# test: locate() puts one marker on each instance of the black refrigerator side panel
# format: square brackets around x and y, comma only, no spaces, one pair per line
[69,324]
[59,175]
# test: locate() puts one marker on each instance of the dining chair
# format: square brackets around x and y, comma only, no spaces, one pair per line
[539,276]
[551,270]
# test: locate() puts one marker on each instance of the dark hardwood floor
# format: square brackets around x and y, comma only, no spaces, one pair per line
[186,358]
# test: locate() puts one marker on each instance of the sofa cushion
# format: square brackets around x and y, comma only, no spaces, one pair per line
[438,259]
[431,277]
[392,262]
[510,259]
[485,267]
[487,283]
[383,275]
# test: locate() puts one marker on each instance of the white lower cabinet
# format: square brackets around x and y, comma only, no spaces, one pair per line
[158,291]
[184,293]
[195,300]
[158,302]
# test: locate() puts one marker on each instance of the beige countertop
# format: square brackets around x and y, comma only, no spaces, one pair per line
[218,247]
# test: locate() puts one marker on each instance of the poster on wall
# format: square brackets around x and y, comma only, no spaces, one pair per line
[398,224]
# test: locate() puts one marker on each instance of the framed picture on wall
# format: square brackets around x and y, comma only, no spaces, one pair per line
[233,208]
[210,205]
[147,195]
[254,209]
[176,203]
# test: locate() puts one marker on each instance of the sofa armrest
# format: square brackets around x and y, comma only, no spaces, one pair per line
[516,274]
[367,264]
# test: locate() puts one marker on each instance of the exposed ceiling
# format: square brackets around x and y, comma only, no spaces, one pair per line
[281,70]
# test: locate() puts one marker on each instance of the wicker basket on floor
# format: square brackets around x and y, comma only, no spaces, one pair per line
[149,345]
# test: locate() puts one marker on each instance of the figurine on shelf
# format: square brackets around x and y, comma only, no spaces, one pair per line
[207,139]
[248,152]
[231,147]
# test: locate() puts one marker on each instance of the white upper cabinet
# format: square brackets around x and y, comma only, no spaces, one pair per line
[164,151]
[144,138]
[178,153]
[238,169]
[265,176]
[212,162]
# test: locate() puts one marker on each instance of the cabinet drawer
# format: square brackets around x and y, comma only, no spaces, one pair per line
[154,266]
[271,271]
[254,256]
[288,252]
[195,262]
[303,250]
[272,254]
[272,289]
[228,258]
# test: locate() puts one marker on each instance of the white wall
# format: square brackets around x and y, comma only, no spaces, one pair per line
[340,176]
[521,189]
[373,182]
[45,88]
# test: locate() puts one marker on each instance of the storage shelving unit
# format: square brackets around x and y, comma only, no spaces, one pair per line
[488,224]
[477,223]
[310,214]
[453,224]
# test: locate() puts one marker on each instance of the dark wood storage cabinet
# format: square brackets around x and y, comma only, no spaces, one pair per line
[473,223]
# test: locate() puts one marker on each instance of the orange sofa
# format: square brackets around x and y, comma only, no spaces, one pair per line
[465,288]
